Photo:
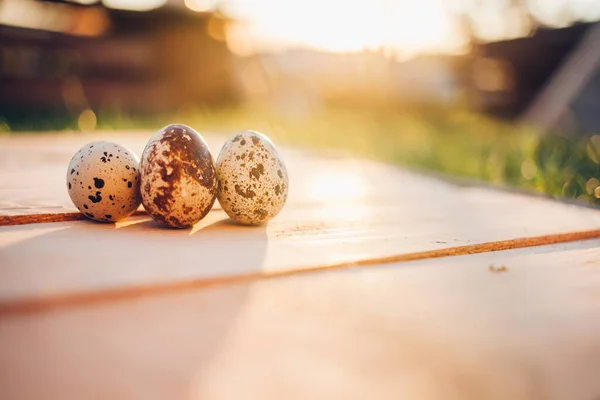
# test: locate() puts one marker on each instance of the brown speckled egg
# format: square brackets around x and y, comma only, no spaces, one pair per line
[178,181]
[102,180]
[253,180]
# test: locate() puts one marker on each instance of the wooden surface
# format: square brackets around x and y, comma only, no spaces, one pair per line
[348,293]
[429,329]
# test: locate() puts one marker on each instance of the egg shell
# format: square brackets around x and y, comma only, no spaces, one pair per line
[177,176]
[253,180]
[102,180]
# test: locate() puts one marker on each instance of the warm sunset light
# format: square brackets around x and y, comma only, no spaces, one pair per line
[134,5]
[337,184]
[400,27]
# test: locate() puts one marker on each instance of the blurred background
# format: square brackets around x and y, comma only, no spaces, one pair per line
[506,91]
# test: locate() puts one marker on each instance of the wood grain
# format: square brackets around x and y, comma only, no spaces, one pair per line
[429,329]
[36,304]
[44,218]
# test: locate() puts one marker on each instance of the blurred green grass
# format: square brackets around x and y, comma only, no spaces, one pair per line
[449,141]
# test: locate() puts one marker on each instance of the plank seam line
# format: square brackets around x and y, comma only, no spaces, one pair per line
[66,300]
[46,218]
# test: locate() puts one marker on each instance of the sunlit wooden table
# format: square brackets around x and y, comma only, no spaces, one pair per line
[373,283]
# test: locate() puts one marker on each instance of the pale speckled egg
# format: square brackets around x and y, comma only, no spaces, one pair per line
[178,181]
[253,180]
[102,180]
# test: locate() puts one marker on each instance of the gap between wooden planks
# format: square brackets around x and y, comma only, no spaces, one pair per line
[74,299]
[44,218]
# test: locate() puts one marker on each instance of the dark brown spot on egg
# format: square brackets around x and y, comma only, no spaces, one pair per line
[262,214]
[257,171]
[99,183]
[189,155]
[243,142]
[72,170]
[280,173]
[237,138]
[247,194]
[95,199]
[177,223]
[158,218]
[69,185]
[255,140]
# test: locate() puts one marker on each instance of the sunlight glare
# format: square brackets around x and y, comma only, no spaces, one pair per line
[342,26]
[587,10]
[345,213]
[199,5]
[134,5]
[337,185]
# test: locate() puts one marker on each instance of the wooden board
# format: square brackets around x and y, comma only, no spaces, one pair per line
[432,329]
[340,211]
[347,294]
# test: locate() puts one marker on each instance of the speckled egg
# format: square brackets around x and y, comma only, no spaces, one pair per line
[253,180]
[177,176]
[102,180]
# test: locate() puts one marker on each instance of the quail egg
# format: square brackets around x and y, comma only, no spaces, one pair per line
[253,180]
[178,181]
[102,180]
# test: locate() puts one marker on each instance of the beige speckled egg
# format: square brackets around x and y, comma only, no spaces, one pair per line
[253,180]
[178,181]
[102,180]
